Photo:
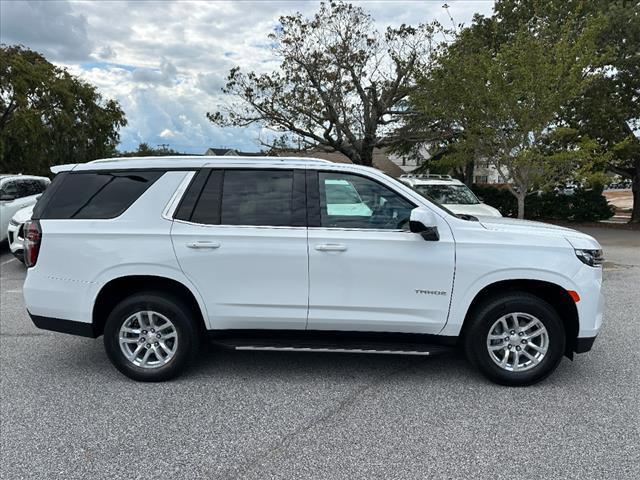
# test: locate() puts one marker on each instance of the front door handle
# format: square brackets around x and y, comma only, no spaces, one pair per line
[203,245]
[331,247]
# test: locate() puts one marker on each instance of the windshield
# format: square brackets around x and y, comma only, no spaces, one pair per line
[448,194]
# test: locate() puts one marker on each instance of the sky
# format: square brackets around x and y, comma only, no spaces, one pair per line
[166,61]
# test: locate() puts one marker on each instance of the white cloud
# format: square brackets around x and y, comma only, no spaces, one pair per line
[166,61]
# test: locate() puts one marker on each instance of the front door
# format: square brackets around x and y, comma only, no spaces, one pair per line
[367,271]
[244,246]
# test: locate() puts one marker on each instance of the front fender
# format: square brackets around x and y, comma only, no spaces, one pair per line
[464,295]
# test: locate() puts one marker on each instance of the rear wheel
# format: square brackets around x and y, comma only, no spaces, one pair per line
[517,339]
[151,338]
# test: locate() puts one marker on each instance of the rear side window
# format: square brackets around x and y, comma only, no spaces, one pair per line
[93,195]
[250,197]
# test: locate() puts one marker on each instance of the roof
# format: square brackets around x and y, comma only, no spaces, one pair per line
[5,176]
[381,159]
[182,162]
[230,152]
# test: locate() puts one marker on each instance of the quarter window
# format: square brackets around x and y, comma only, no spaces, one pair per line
[94,195]
[353,201]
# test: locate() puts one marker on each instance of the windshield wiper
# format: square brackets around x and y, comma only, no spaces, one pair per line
[468,217]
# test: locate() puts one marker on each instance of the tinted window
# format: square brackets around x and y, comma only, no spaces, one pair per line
[28,187]
[93,194]
[249,197]
[208,209]
[10,189]
[352,201]
[257,197]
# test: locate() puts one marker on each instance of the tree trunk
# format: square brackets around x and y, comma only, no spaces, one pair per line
[635,189]
[366,156]
[468,173]
[521,197]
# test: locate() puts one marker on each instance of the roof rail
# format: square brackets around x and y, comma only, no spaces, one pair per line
[221,158]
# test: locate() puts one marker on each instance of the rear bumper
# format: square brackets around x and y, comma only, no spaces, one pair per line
[584,344]
[63,326]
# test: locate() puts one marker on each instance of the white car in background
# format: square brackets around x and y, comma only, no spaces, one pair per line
[16,193]
[451,193]
[15,232]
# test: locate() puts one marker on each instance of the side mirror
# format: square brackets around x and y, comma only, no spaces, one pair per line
[7,197]
[424,222]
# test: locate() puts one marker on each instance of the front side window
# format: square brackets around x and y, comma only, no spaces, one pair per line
[353,201]
[448,194]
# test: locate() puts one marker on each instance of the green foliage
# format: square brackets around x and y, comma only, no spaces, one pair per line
[145,150]
[49,117]
[585,205]
[535,91]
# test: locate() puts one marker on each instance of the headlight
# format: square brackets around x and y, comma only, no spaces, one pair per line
[593,258]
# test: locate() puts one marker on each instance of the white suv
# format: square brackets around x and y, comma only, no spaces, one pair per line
[281,254]
[451,193]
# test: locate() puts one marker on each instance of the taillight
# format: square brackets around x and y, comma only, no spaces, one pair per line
[32,239]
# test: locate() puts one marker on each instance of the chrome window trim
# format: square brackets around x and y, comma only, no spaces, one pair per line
[274,227]
[353,229]
[170,208]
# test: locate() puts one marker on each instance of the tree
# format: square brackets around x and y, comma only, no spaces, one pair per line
[145,150]
[49,117]
[500,94]
[608,111]
[447,110]
[340,83]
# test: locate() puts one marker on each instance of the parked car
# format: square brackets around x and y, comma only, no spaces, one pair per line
[451,193]
[15,232]
[154,254]
[16,193]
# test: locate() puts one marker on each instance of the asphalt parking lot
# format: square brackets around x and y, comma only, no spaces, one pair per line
[67,414]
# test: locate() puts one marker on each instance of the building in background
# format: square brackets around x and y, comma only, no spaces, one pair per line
[381,159]
[230,152]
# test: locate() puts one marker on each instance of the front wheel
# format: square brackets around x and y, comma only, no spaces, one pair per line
[150,338]
[516,340]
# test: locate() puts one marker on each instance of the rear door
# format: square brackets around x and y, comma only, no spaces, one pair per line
[367,271]
[240,236]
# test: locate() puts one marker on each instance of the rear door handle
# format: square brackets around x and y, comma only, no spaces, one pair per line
[203,245]
[331,247]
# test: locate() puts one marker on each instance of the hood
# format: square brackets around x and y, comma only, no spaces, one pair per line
[527,227]
[23,215]
[477,210]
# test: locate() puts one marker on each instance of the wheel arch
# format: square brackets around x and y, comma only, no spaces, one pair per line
[552,293]
[119,288]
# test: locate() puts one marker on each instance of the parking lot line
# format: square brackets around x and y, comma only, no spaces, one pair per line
[7,261]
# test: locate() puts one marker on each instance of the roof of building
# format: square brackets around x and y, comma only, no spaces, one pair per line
[230,152]
[381,159]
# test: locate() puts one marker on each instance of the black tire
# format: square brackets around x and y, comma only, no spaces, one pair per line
[173,309]
[475,338]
